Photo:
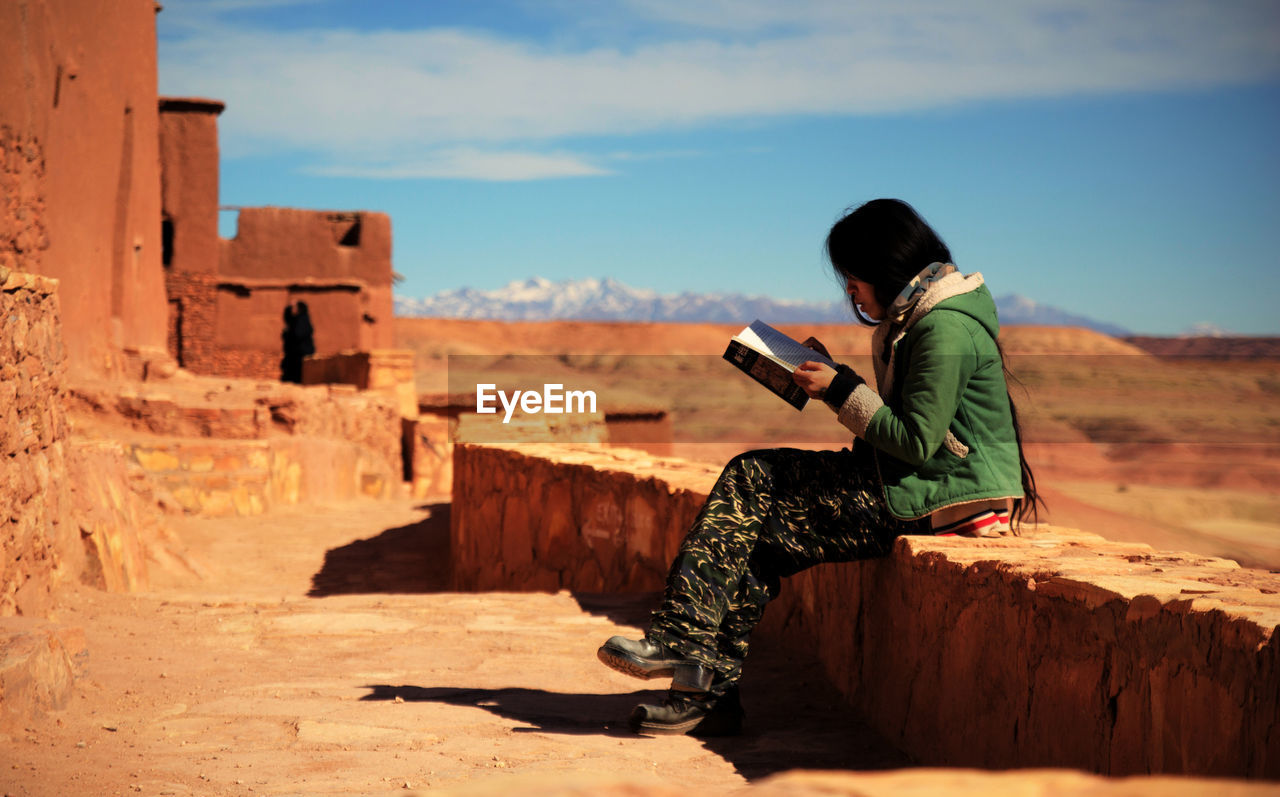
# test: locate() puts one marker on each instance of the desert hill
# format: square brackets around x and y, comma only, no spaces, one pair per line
[1212,347]
[1178,452]
[435,338]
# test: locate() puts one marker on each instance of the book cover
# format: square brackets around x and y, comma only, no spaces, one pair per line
[769,357]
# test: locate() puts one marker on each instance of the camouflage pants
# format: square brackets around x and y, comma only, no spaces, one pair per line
[771,514]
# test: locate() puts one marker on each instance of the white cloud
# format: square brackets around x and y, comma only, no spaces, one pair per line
[466,163]
[417,99]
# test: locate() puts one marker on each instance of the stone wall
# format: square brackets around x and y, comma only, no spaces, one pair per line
[116,514]
[1054,649]
[446,419]
[646,428]
[552,517]
[36,547]
[219,478]
[385,371]
[222,446]
[69,508]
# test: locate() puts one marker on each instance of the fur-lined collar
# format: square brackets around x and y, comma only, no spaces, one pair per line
[954,284]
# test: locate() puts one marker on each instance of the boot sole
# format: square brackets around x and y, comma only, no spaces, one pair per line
[628,664]
[708,725]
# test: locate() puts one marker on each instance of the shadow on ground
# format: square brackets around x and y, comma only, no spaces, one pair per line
[795,719]
[408,559]
[543,711]
[779,735]
[621,608]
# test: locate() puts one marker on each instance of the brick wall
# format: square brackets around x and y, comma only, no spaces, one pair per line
[192,311]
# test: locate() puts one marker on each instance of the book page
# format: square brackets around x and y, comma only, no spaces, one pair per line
[777,346]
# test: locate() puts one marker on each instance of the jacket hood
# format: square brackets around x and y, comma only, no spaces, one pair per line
[965,293]
[977,303]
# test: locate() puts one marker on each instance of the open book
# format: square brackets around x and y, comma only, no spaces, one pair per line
[769,357]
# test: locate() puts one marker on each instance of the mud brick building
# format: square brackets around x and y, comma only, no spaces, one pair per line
[108,224]
[228,298]
[80,171]
[116,195]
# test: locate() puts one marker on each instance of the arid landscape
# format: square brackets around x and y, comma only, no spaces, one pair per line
[1178,451]
[255,537]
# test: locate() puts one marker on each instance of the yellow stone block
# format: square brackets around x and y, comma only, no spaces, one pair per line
[156,460]
[200,464]
[187,498]
[292,486]
[372,485]
[246,502]
[216,504]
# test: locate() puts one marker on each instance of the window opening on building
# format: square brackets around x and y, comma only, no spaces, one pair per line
[346,228]
[228,222]
[166,241]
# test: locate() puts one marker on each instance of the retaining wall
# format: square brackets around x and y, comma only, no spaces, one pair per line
[37,546]
[1054,649]
[237,447]
[69,507]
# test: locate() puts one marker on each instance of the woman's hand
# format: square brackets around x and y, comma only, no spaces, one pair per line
[817,346]
[814,378]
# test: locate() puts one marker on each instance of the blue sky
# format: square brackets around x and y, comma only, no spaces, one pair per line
[1114,158]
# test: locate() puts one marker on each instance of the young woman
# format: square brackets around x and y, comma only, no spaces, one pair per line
[937,451]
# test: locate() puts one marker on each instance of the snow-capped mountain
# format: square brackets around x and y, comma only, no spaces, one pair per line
[1015,309]
[1205,330]
[539,299]
[610,300]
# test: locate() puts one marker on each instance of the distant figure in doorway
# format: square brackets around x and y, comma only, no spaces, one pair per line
[299,341]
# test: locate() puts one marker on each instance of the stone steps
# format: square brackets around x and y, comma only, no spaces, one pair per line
[214,446]
[220,478]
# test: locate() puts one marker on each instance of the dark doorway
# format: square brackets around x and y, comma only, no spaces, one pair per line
[299,341]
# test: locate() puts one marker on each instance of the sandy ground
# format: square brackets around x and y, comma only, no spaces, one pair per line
[320,654]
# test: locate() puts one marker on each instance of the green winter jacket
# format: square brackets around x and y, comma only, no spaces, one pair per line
[941,426]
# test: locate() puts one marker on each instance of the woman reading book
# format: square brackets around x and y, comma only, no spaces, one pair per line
[937,451]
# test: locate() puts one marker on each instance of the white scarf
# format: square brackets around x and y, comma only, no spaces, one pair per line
[936,282]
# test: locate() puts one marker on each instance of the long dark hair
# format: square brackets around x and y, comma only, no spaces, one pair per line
[886,243]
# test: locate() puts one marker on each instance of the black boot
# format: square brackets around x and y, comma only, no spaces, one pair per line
[639,657]
[694,713]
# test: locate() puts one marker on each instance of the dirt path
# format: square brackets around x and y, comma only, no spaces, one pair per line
[319,654]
